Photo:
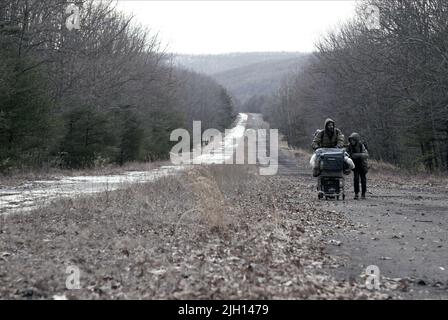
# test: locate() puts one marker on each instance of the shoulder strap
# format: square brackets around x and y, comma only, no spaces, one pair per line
[365,146]
[321,136]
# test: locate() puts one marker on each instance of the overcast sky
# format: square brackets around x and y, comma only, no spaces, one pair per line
[239,26]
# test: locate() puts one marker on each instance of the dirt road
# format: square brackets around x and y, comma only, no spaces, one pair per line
[402,227]
[225,232]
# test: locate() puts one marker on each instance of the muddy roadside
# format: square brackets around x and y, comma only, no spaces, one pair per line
[401,228]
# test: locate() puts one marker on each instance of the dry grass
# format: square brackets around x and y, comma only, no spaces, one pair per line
[219,232]
[98,232]
[194,198]
[379,165]
[410,177]
[209,199]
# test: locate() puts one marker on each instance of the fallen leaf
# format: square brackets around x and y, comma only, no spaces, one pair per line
[335,242]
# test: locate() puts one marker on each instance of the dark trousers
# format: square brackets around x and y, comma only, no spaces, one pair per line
[360,174]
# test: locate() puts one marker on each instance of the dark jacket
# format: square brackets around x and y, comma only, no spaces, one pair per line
[358,152]
[324,138]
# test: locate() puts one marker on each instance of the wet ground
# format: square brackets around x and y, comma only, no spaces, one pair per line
[39,193]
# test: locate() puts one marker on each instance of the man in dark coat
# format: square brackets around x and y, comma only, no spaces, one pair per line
[329,137]
[359,154]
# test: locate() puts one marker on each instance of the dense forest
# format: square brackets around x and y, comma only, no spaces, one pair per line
[104,93]
[389,84]
[109,93]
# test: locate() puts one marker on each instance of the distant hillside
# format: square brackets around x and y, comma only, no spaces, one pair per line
[261,78]
[211,64]
[245,74]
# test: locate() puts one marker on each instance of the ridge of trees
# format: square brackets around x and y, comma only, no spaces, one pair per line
[389,84]
[106,93]
[212,64]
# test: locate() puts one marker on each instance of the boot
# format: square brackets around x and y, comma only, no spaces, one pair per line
[356,197]
[363,196]
[316,172]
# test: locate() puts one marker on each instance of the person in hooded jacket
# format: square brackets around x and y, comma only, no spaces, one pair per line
[329,137]
[360,155]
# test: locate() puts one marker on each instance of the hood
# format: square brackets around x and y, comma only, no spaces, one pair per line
[355,136]
[329,121]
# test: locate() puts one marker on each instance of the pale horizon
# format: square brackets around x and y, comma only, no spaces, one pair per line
[226,27]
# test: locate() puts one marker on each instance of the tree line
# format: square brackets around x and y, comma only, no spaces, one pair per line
[388,83]
[105,93]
